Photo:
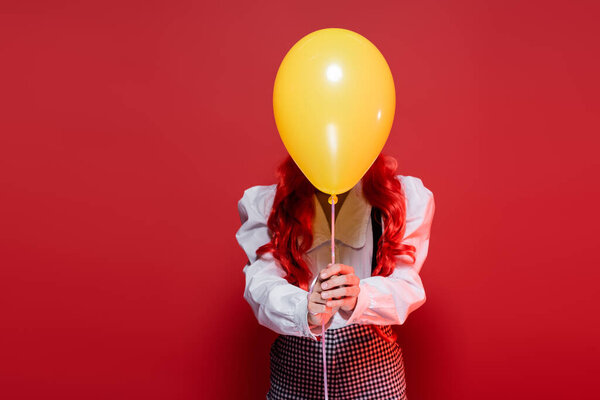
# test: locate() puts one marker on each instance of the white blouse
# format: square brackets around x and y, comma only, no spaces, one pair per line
[282,307]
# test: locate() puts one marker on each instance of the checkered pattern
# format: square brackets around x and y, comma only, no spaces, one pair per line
[361,365]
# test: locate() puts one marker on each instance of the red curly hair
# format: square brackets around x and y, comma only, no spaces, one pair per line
[291,218]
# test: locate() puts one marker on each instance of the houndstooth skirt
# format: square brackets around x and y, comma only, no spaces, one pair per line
[361,365]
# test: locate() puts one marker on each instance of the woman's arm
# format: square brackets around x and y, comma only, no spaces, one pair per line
[277,304]
[389,300]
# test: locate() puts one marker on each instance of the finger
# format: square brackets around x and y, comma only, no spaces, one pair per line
[334,269]
[341,292]
[347,301]
[316,319]
[318,308]
[339,280]
[316,298]
[317,285]
[334,281]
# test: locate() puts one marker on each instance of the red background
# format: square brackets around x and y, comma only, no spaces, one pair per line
[129,130]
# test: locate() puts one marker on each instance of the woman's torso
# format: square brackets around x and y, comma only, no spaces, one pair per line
[353,239]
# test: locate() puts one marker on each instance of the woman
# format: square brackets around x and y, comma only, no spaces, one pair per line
[382,228]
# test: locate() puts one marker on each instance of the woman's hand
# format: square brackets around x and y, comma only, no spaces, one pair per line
[318,311]
[340,286]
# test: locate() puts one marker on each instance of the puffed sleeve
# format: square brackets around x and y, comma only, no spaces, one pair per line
[389,300]
[276,303]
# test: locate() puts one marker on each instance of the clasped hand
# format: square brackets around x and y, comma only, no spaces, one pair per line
[336,288]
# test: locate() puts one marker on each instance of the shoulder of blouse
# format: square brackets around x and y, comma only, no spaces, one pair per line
[259,198]
[414,189]
[420,206]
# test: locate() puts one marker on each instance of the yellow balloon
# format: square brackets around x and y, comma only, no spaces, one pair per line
[334,102]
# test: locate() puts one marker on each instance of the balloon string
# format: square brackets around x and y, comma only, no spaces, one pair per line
[324,360]
[332,200]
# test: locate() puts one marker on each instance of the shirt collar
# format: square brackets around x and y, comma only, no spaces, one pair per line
[351,223]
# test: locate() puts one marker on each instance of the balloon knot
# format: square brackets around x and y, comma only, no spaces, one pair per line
[333,198]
